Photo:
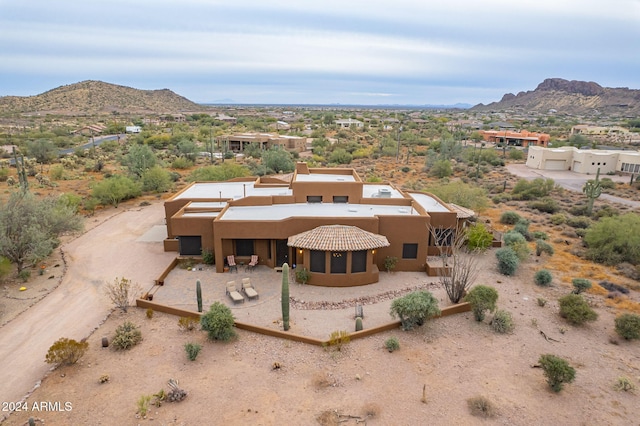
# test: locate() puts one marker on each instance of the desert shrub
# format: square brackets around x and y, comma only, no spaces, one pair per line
[502,322]
[530,190]
[187,323]
[542,302]
[501,198]
[508,261]
[543,278]
[441,169]
[558,219]
[66,351]
[192,350]
[522,227]
[516,154]
[540,235]
[481,406]
[614,240]
[628,326]
[545,204]
[207,257]
[337,339]
[510,218]
[482,298]
[578,210]
[460,193]
[143,405]
[414,309]
[181,163]
[576,310]
[606,211]
[149,313]
[557,371]
[512,237]
[580,222]
[479,237]
[544,247]
[156,179]
[607,183]
[218,322]
[392,344]
[127,336]
[624,384]
[24,275]
[580,285]
[122,292]
[521,249]
[390,263]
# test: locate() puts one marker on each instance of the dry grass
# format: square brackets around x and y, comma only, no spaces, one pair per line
[623,303]
[480,406]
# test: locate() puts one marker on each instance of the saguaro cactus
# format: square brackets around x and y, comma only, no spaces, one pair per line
[199,295]
[592,189]
[358,324]
[285,296]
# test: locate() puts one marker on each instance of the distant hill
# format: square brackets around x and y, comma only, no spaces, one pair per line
[571,97]
[97,97]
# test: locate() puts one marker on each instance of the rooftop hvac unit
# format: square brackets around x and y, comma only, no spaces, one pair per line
[384,193]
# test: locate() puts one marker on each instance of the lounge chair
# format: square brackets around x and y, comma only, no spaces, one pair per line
[253,263]
[231,261]
[233,293]
[248,289]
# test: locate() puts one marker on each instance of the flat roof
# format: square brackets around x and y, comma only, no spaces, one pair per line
[285,211]
[429,203]
[200,214]
[322,177]
[230,190]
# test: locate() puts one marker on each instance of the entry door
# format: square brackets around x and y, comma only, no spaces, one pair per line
[282,252]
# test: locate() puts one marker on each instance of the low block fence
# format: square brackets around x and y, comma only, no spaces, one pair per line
[159,307]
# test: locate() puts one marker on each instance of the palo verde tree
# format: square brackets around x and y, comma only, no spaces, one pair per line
[139,159]
[30,227]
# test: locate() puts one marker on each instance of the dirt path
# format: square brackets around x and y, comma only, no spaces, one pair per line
[78,305]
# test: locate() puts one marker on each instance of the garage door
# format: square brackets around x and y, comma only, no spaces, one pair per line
[554,165]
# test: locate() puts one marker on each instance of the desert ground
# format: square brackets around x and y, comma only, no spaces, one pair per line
[438,367]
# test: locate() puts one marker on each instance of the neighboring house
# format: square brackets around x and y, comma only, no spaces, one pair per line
[93,129]
[586,129]
[523,138]
[226,118]
[349,122]
[586,161]
[238,142]
[133,129]
[326,220]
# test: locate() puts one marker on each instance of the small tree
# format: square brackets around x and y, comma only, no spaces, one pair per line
[66,351]
[218,322]
[414,309]
[482,298]
[459,266]
[628,326]
[580,285]
[390,263]
[557,371]
[122,292]
[576,310]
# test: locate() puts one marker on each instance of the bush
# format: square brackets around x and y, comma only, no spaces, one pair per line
[576,310]
[218,322]
[122,292]
[392,344]
[515,154]
[414,309]
[624,384]
[558,219]
[390,263]
[580,285]
[522,227]
[614,240]
[508,261]
[181,163]
[187,323]
[337,339]
[545,204]
[192,349]
[481,406]
[510,218]
[530,190]
[482,298]
[543,278]
[628,326]
[127,336]
[580,222]
[502,322]
[521,250]
[557,371]
[66,351]
[540,235]
[207,257]
[512,237]
[544,247]
[479,237]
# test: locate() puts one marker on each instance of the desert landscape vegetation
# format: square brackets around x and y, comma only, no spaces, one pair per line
[566,274]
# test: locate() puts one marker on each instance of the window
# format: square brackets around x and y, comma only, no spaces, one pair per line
[339,262]
[410,251]
[244,248]
[340,198]
[314,198]
[317,261]
[442,237]
[359,261]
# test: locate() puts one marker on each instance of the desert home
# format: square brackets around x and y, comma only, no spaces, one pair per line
[238,142]
[325,220]
[586,161]
[523,138]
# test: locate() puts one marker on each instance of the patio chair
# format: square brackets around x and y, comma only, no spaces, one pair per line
[253,263]
[248,289]
[231,261]
[233,293]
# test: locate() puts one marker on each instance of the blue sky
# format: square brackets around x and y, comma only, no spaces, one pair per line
[305,52]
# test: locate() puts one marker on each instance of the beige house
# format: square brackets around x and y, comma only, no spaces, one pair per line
[586,161]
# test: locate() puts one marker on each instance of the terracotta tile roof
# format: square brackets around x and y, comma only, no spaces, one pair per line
[338,238]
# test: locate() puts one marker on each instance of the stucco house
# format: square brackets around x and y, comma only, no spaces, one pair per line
[326,220]
[586,161]
[523,138]
[239,141]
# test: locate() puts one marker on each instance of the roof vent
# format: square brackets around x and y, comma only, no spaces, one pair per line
[403,210]
[384,193]
[352,209]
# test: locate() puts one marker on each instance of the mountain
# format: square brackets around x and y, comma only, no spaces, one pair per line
[571,97]
[97,97]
